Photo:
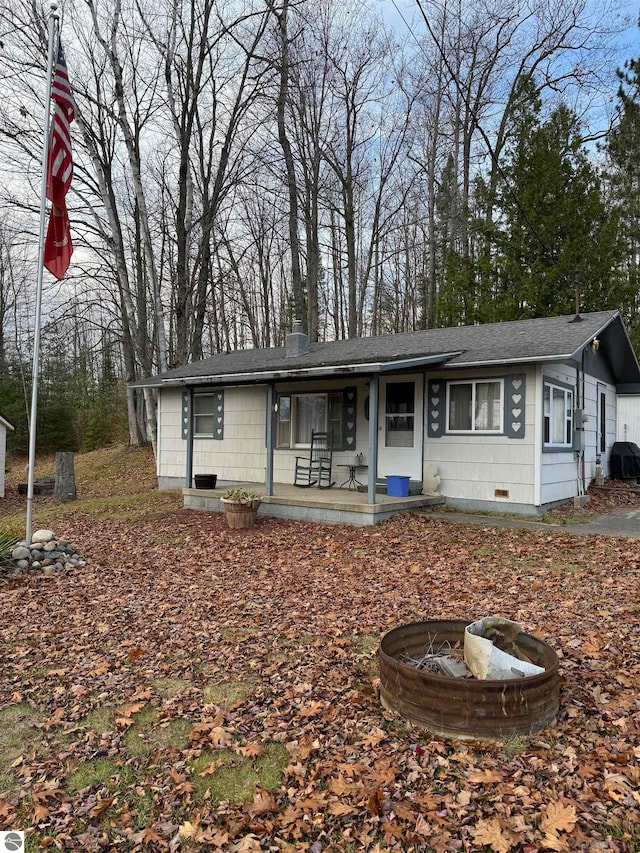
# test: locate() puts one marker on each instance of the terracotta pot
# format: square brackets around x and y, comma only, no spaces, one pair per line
[240,515]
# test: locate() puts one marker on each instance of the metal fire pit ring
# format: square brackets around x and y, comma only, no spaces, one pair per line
[465,707]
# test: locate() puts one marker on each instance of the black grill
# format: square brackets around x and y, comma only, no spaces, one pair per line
[624,463]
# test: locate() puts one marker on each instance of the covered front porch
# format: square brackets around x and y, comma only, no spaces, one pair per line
[324,506]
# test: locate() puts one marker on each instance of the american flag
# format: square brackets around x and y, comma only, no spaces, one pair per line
[58,246]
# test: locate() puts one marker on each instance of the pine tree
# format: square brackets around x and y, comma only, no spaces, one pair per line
[557,232]
[623,148]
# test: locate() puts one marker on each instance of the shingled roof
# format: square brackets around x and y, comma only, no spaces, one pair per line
[5,420]
[521,341]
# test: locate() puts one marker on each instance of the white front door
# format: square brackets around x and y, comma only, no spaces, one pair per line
[400,421]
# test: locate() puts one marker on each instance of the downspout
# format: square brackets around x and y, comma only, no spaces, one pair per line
[270,415]
[373,439]
[158,437]
[538,437]
[189,471]
[584,443]
[580,390]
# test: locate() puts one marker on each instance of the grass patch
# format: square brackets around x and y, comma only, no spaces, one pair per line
[96,772]
[227,693]
[630,834]
[482,552]
[174,733]
[132,507]
[170,687]
[143,809]
[235,777]
[309,639]
[137,737]
[514,745]
[572,568]
[366,644]
[100,720]
[146,735]
[32,842]
[237,635]
[18,735]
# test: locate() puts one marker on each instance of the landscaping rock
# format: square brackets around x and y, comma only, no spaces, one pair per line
[20,553]
[44,554]
[42,536]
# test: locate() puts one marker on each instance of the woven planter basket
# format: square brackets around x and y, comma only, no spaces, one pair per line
[240,515]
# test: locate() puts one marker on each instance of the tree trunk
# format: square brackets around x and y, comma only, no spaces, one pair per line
[65,487]
[292,185]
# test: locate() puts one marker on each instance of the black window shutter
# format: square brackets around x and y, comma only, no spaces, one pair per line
[186,413]
[218,415]
[349,418]
[514,404]
[436,408]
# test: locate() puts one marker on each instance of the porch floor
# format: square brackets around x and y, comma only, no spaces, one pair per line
[326,506]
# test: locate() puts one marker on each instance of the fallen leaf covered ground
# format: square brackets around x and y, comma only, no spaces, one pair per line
[195,687]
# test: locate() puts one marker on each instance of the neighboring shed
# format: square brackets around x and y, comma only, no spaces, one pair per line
[512,415]
[4,426]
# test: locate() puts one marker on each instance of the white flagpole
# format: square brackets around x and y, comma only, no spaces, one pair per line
[53,18]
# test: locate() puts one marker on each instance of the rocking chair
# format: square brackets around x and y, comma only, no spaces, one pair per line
[315,469]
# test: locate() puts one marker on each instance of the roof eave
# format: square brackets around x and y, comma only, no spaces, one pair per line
[527,359]
[360,369]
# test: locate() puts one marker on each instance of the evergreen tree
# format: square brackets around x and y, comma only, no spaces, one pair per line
[557,233]
[624,154]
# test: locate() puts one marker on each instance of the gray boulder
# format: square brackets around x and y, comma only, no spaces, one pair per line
[20,553]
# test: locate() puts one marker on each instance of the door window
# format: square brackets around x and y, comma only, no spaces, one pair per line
[400,414]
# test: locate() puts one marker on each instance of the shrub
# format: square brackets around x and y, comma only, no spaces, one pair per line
[8,541]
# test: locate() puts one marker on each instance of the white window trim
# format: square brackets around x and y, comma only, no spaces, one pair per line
[568,413]
[195,416]
[473,383]
[292,419]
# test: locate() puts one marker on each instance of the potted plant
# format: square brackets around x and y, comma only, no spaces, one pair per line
[240,507]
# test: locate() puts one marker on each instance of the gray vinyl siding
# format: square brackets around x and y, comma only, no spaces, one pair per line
[473,467]
[560,470]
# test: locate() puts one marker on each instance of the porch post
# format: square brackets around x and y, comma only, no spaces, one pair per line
[270,415]
[373,439]
[189,471]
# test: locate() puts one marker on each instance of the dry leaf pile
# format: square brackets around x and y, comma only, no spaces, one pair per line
[123,667]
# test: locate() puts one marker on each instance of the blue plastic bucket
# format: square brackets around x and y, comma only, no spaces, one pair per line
[398,487]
